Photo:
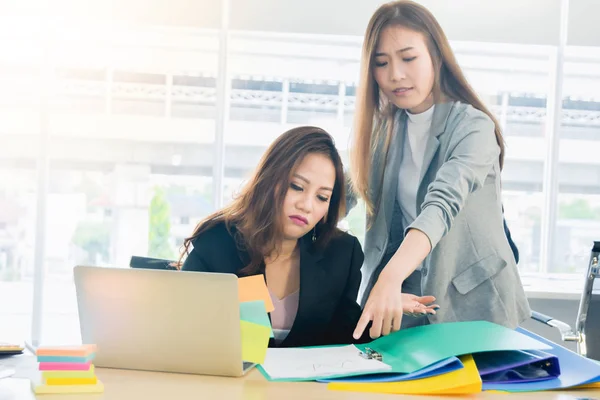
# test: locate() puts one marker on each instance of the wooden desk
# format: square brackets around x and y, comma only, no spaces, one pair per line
[140,385]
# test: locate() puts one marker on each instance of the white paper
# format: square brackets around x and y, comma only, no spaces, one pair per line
[6,372]
[24,366]
[316,363]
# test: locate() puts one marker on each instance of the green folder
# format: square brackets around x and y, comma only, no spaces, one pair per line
[409,350]
[412,349]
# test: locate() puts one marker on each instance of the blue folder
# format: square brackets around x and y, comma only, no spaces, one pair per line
[575,370]
[516,366]
[442,367]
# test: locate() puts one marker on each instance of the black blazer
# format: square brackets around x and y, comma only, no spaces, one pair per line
[329,283]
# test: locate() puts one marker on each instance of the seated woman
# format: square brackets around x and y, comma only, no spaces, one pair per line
[284,226]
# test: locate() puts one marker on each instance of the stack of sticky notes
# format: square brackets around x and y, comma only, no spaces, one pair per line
[255,303]
[67,369]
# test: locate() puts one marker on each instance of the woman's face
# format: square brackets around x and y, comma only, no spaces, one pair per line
[307,199]
[403,69]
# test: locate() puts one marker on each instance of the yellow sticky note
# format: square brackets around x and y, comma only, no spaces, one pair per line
[255,341]
[463,381]
[252,288]
[69,374]
[45,389]
[72,381]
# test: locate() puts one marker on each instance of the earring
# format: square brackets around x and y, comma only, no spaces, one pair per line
[314,235]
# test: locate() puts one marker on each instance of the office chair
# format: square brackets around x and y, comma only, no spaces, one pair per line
[587,329]
[151,263]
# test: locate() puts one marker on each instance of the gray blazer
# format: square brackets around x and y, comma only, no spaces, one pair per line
[471,269]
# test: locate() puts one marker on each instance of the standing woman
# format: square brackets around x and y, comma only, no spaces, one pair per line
[426,159]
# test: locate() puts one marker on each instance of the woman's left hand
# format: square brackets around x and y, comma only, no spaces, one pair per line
[387,303]
[383,307]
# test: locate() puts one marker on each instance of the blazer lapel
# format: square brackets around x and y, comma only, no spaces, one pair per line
[390,180]
[438,126]
[311,276]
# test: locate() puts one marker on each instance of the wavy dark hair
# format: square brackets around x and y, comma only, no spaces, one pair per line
[255,214]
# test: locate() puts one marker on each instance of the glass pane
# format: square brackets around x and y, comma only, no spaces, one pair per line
[578,219]
[19,147]
[132,127]
[17,241]
[279,82]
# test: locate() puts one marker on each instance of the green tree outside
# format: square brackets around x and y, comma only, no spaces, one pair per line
[160,226]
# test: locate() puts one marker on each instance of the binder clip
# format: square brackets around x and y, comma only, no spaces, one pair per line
[371,354]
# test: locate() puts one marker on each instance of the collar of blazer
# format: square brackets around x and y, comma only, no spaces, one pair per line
[439,120]
[309,254]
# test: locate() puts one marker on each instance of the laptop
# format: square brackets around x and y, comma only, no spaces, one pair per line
[158,320]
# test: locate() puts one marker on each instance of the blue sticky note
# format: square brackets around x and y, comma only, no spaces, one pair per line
[67,359]
[255,312]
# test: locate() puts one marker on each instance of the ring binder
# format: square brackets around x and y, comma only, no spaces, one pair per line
[371,354]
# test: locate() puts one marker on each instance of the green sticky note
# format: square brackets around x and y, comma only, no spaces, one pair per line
[255,341]
[255,312]
[409,350]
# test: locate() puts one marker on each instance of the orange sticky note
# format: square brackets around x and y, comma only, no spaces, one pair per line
[73,351]
[252,288]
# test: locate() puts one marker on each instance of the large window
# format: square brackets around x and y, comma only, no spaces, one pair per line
[19,148]
[278,83]
[126,166]
[116,139]
[578,202]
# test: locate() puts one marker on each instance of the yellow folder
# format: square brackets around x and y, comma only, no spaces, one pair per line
[462,381]
[595,385]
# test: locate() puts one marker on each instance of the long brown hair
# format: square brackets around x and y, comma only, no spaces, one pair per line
[255,214]
[374,114]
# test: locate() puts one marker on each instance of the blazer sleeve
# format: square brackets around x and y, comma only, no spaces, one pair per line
[469,162]
[202,257]
[195,262]
[348,311]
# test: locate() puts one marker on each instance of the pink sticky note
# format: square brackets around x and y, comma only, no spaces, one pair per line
[60,366]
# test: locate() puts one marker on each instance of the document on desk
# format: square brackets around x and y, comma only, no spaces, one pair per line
[298,364]
[5,372]
[25,366]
